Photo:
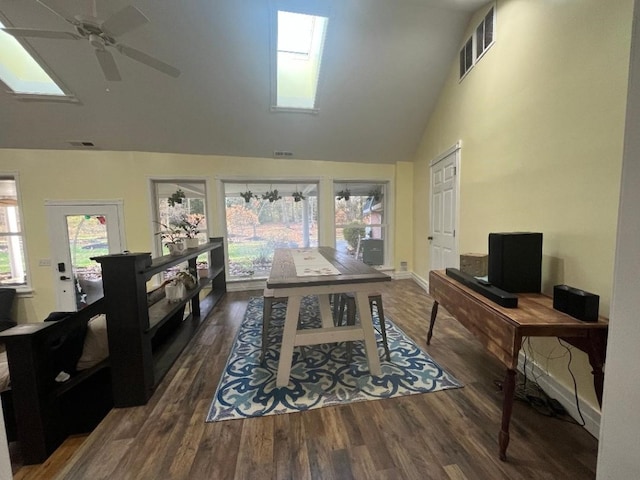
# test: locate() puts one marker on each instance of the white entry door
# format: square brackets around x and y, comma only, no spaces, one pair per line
[442,239]
[78,233]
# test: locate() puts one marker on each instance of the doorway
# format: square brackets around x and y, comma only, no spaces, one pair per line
[78,232]
[443,244]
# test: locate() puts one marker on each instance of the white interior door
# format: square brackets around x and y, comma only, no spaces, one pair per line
[442,239]
[77,233]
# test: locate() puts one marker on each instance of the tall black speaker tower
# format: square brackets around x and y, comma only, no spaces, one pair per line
[515,261]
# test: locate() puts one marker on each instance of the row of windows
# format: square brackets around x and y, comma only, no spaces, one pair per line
[260,217]
[482,38]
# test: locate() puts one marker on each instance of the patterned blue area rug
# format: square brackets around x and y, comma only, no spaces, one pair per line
[320,374]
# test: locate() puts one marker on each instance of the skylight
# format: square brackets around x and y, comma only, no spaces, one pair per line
[299,55]
[20,72]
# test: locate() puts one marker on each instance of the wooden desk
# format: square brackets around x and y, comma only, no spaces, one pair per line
[501,331]
[354,277]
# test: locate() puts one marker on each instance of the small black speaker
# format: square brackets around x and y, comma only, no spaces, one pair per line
[577,303]
[515,261]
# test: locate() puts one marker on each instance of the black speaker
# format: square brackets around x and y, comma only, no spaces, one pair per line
[577,303]
[515,261]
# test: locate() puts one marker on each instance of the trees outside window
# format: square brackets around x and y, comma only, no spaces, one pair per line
[261,217]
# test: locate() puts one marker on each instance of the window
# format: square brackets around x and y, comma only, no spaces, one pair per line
[261,217]
[13,271]
[484,34]
[466,57]
[299,43]
[21,72]
[482,39]
[180,211]
[360,220]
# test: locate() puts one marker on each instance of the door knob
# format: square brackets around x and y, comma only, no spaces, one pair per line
[429,238]
[64,277]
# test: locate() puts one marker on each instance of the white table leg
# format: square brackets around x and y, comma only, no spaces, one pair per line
[288,339]
[325,311]
[366,322]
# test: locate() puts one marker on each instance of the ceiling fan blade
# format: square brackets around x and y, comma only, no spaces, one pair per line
[35,33]
[108,65]
[54,6]
[148,60]
[124,21]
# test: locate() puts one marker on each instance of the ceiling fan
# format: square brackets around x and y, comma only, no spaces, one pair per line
[101,35]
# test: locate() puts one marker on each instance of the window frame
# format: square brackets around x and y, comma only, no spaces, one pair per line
[473,43]
[156,241]
[67,97]
[26,287]
[313,10]
[388,207]
[222,181]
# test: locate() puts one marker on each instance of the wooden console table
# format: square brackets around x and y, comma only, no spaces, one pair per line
[501,330]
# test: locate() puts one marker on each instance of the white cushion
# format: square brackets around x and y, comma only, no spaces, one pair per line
[96,343]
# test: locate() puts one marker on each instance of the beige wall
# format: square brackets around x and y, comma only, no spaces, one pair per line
[541,119]
[86,175]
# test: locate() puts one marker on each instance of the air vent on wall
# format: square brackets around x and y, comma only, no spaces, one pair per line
[282,154]
[82,144]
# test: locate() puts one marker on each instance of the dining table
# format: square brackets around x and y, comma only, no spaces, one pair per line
[323,272]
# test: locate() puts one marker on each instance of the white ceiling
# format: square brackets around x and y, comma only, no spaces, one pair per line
[384,64]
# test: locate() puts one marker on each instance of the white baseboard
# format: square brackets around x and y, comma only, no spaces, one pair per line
[402,275]
[420,281]
[564,394]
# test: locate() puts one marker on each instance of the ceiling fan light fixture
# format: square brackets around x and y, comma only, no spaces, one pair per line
[96,42]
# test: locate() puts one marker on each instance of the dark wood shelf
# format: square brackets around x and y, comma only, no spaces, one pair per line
[160,264]
[144,341]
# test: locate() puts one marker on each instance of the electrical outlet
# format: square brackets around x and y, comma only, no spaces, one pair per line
[44,262]
[403,266]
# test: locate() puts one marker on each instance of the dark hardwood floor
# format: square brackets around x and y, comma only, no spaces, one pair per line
[449,434]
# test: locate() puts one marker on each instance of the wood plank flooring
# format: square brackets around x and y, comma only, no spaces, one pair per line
[444,435]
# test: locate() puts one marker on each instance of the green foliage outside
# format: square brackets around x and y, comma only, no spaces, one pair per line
[352,233]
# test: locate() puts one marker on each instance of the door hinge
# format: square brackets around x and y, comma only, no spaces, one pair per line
[455,171]
[454,234]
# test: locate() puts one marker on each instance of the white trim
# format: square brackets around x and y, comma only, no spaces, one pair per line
[153,208]
[424,283]
[117,202]
[401,275]
[452,149]
[563,394]
[27,288]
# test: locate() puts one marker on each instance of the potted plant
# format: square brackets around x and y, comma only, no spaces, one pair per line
[189,225]
[375,194]
[272,196]
[344,194]
[248,195]
[297,196]
[172,238]
[176,197]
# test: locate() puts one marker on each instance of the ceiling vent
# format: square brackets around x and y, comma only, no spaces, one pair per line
[82,144]
[282,154]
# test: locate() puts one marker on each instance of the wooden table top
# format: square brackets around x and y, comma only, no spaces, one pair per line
[283,271]
[534,309]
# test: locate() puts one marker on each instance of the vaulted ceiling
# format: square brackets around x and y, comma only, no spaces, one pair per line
[384,64]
